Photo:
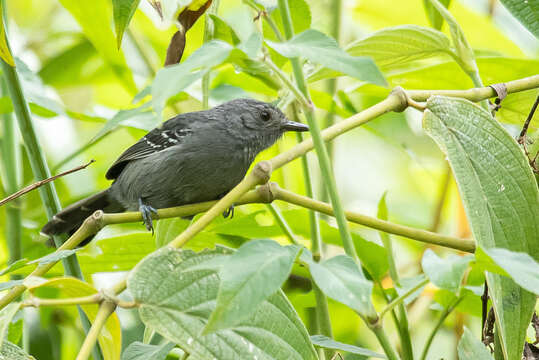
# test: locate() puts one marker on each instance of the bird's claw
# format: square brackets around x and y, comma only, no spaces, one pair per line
[146,211]
[229,212]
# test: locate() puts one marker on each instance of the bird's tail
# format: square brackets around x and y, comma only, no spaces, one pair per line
[71,218]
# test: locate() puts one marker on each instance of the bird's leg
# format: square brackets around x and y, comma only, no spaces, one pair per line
[146,211]
[229,212]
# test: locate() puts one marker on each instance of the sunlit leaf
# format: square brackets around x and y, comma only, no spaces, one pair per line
[10,351]
[445,273]
[177,301]
[5,53]
[54,257]
[471,348]
[249,276]
[520,266]
[139,351]
[340,279]
[527,12]
[6,315]
[328,343]
[123,11]
[498,191]
[110,337]
[321,49]
[14,266]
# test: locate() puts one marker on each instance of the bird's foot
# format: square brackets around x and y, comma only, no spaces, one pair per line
[146,211]
[229,212]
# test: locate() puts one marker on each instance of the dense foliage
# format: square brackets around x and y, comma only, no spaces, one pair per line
[439,182]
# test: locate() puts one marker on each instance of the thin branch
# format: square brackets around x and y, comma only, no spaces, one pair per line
[105,310]
[527,122]
[42,182]
[401,298]
[278,216]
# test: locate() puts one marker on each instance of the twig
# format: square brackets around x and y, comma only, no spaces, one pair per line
[41,183]
[105,310]
[401,298]
[521,138]
[484,310]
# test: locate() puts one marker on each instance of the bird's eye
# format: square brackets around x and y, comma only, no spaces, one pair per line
[265,115]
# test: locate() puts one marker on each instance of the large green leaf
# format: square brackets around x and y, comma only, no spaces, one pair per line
[321,49]
[445,273]
[527,12]
[249,276]
[500,196]
[401,44]
[176,300]
[10,351]
[123,11]
[470,348]
[342,280]
[110,337]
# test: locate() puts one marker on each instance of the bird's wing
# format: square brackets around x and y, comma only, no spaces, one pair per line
[171,133]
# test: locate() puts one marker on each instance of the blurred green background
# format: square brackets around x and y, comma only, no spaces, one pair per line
[76,81]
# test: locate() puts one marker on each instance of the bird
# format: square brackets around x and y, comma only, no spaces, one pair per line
[192,157]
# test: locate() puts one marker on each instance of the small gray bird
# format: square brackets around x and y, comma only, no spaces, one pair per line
[193,157]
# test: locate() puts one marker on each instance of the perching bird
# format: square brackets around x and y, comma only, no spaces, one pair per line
[193,157]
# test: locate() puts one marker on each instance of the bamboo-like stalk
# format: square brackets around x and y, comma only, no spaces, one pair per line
[11,159]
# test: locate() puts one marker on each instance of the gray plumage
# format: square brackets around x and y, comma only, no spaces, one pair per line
[190,158]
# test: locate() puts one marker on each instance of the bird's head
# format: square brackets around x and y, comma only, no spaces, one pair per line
[259,118]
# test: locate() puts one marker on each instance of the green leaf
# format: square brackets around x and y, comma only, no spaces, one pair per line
[463,49]
[500,197]
[9,284]
[341,279]
[94,19]
[123,11]
[520,266]
[6,315]
[139,351]
[328,343]
[10,351]
[177,301]
[5,53]
[321,49]
[223,31]
[175,78]
[470,348]
[527,12]
[386,240]
[167,229]
[14,266]
[436,20]
[395,46]
[253,273]
[445,273]
[54,257]
[110,337]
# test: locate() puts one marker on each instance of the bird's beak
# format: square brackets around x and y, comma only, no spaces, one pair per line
[294,126]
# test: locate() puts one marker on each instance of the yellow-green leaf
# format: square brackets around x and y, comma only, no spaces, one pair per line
[5,54]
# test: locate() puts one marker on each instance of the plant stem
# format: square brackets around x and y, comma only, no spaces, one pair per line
[372,222]
[444,315]
[402,321]
[401,298]
[12,175]
[442,196]
[278,216]
[105,310]
[208,35]
[36,302]
[321,151]
[381,335]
